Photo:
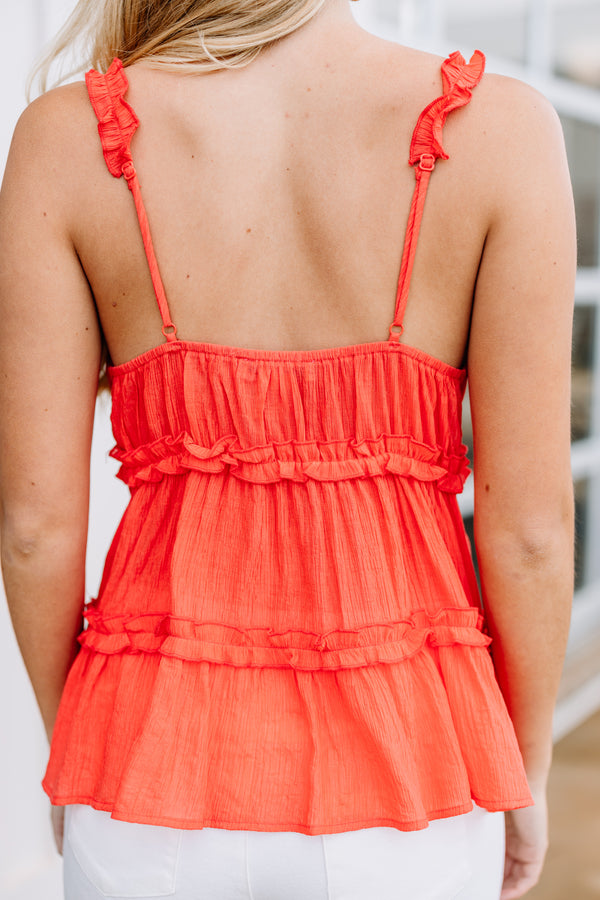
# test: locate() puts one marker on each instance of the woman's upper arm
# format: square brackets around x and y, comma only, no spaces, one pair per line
[520,340]
[49,334]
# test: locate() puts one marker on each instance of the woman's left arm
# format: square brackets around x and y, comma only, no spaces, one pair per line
[49,360]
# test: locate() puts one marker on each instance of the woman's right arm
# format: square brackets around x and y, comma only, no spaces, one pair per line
[519,368]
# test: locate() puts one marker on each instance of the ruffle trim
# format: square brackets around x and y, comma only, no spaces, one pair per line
[192,640]
[295,460]
[117,122]
[459,79]
[167,741]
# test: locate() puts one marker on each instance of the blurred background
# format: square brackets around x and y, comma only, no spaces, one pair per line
[555,46]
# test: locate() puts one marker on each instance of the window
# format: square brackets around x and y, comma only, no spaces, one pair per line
[584,330]
[498,28]
[576,38]
[582,491]
[583,149]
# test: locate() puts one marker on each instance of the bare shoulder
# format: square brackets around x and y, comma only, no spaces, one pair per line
[53,129]
[55,150]
[405,70]
[393,83]
[516,108]
[516,139]
[504,117]
[426,66]
[62,105]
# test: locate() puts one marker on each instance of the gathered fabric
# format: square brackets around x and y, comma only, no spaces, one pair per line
[288,635]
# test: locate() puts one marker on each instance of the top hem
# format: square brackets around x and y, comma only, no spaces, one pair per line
[195,825]
[286,356]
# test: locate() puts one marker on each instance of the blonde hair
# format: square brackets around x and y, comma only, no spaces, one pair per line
[195,35]
[188,35]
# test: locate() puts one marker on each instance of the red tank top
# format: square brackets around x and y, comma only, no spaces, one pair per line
[288,634]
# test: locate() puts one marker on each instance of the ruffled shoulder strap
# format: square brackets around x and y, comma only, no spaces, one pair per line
[117,123]
[458,79]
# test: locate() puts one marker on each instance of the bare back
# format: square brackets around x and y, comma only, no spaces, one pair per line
[278,197]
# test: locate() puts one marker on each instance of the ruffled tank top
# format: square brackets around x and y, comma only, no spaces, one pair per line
[288,634]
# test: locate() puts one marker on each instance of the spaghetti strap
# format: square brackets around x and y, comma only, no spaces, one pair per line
[459,78]
[117,123]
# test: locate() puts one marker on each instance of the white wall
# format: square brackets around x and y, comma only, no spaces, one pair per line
[30,867]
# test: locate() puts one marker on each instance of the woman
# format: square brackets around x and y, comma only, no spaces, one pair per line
[284,687]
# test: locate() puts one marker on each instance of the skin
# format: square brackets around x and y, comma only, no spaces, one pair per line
[296,169]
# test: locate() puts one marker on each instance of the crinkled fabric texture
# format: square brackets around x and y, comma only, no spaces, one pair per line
[288,634]
[459,79]
[117,122]
[286,650]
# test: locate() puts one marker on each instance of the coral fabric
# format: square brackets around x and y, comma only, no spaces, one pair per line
[288,633]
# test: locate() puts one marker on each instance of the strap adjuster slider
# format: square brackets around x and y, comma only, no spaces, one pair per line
[427,162]
[128,170]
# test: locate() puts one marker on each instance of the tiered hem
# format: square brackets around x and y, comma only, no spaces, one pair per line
[280,749]
[319,828]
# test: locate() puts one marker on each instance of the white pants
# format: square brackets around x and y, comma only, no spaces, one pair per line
[460,858]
